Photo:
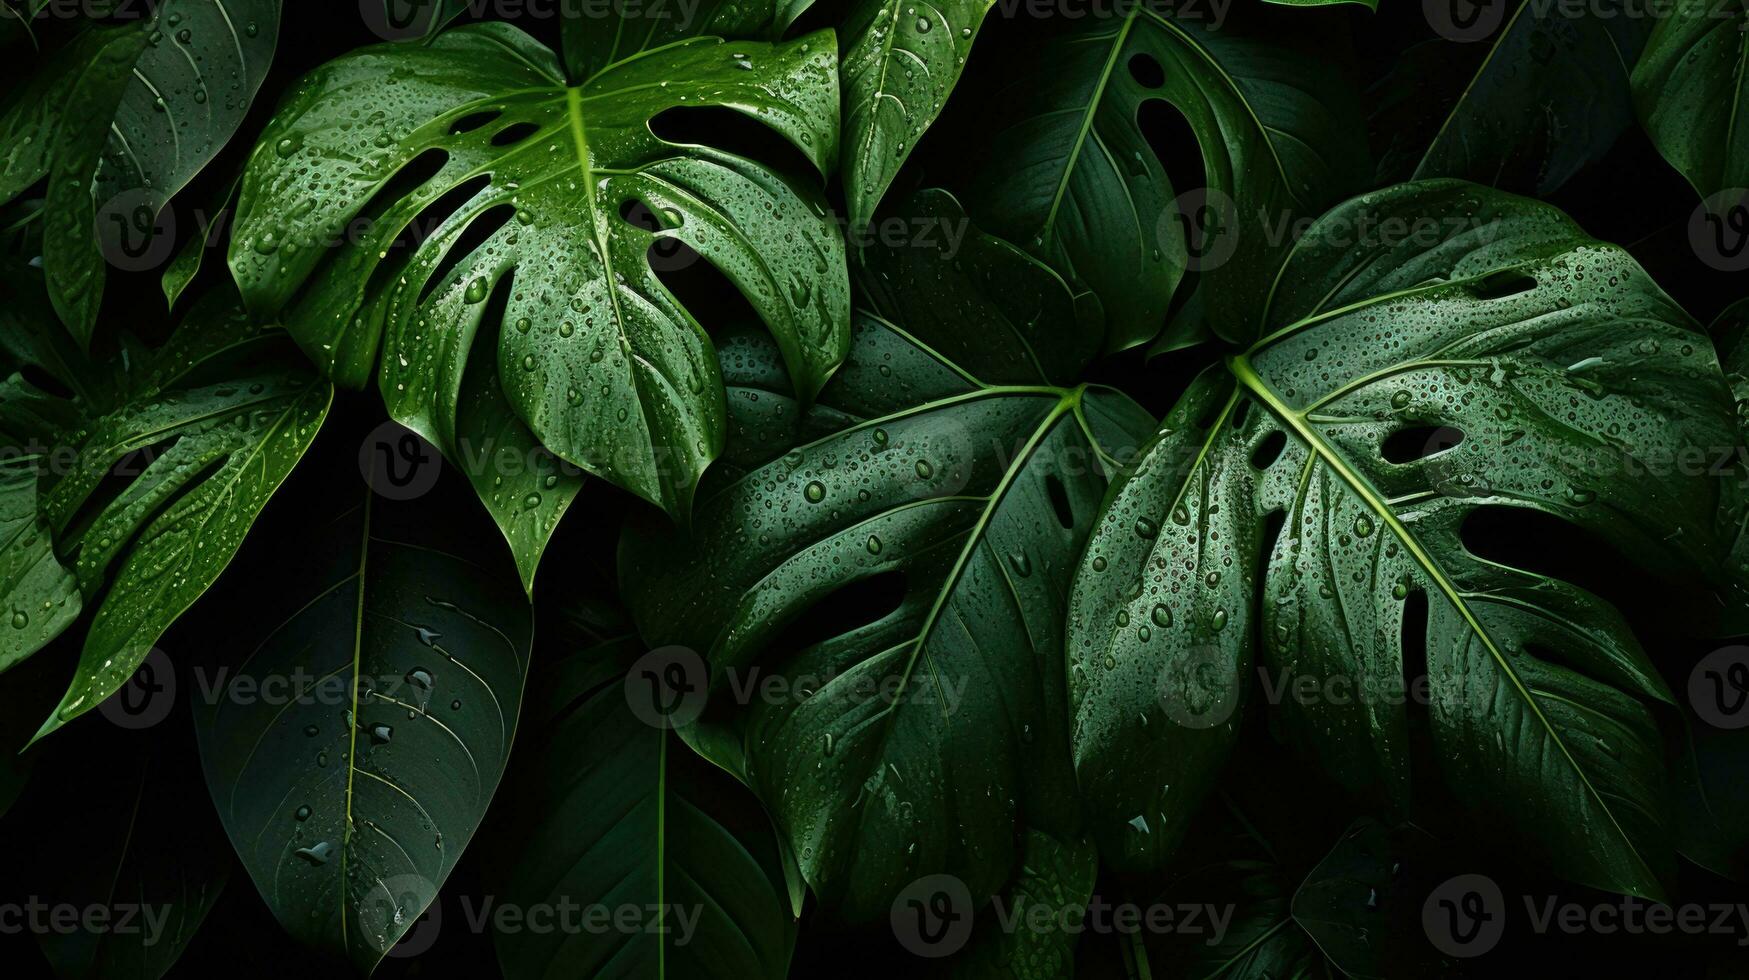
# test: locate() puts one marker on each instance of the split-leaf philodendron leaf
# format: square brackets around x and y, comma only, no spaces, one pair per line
[354,743]
[167,84]
[1071,176]
[931,734]
[1565,373]
[200,433]
[517,188]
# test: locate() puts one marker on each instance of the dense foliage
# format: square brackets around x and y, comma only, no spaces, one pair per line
[741,488]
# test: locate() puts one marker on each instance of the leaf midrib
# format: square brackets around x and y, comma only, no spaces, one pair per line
[1247,376]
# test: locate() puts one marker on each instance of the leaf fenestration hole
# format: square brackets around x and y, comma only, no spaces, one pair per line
[514,133]
[1419,442]
[1500,285]
[846,609]
[479,230]
[1147,71]
[1059,498]
[473,121]
[1269,450]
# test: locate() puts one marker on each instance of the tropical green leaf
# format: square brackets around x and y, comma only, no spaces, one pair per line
[1071,176]
[1569,375]
[169,90]
[902,61]
[1691,87]
[42,596]
[1547,94]
[1055,875]
[200,431]
[353,753]
[597,37]
[930,735]
[593,353]
[978,298]
[609,811]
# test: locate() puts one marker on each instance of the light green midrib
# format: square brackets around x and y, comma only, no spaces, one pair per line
[1247,376]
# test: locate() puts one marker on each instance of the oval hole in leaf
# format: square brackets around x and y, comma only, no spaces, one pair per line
[1419,442]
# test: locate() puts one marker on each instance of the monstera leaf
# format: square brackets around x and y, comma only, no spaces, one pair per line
[521,192]
[592,45]
[1565,378]
[1691,88]
[119,119]
[902,62]
[353,753]
[1547,94]
[610,811]
[199,433]
[1072,177]
[924,740]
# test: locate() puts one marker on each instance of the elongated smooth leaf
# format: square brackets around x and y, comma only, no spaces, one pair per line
[1569,375]
[1546,93]
[398,662]
[932,735]
[902,61]
[593,353]
[123,117]
[1072,178]
[1691,87]
[611,812]
[201,432]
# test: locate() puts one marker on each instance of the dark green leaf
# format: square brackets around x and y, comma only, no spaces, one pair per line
[1691,88]
[1570,376]
[612,812]
[931,735]
[593,353]
[398,663]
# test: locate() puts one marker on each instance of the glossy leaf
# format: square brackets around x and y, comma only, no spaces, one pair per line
[592,352]
[610,811]
[167,91]
[1056,875]
[597,37]
[932,734]
[1566,370]
[1072,178]
[901,62]
[399,663]
[1692,92]
[203,432]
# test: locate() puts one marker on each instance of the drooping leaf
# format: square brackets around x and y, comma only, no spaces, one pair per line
[119,119]
[1529,96]
[201,431]
[924,740]
[1071,176]
[42,596]
[1569,375]
[593,353]
[1691,88]
[901,62]
[352,753]
[610,811]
